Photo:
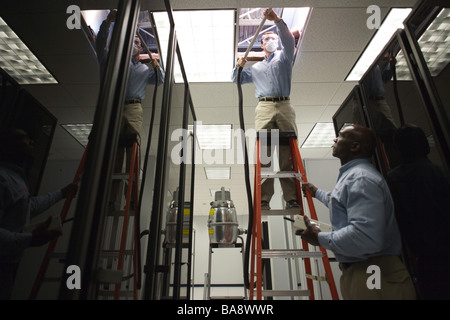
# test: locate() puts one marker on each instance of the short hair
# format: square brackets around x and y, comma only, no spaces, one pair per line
[9,138]
[411,142]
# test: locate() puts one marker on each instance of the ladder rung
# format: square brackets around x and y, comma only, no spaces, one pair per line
[120,176]
[114,253]
[284,174]
[290,253]
[286,293]
[281,212]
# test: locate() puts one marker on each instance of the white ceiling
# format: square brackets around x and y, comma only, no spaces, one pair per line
[333,40]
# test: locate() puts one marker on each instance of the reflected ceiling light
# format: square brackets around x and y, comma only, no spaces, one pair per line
[392,23]
[434,43]
[321,136]
[213,136]
[79,131]
[18,61]
[214,173]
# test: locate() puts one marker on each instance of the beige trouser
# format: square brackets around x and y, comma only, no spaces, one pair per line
[132,118]
[277,115]
[394,279]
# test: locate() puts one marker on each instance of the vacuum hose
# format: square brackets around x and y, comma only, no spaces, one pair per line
[246,165]
[247,183]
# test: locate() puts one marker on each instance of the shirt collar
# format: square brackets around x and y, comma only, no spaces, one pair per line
[270,57]
[13,167]
[352,163]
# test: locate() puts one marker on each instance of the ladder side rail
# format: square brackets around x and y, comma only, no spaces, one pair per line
[297,163]
[326,262]
[52,245]
[135,221]
[257,219]
[256,207]
[126,216]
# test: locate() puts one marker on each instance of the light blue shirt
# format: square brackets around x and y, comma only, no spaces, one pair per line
[140,75]
[361,213]
[17,207]
[272,77]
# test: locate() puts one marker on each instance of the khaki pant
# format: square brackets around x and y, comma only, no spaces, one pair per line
[281,116]
[132,118]
[394,279]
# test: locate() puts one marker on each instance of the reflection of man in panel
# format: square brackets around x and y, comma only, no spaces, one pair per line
[140,75]
[380,112]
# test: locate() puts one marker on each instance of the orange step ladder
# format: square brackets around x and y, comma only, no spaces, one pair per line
[258,254]
[118,248]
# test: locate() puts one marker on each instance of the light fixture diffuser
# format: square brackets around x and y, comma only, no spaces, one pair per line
[321,136]
[213,173]
[18,61]
[392,23]
[213,136]
[205,38]
[80,132]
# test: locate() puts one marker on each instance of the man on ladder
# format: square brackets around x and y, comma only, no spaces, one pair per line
[272,79]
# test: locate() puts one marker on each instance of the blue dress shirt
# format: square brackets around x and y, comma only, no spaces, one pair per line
[272,77]
[361,214]
[17,207]
[140,75]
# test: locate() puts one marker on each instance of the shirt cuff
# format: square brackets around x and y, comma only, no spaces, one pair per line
[324,239]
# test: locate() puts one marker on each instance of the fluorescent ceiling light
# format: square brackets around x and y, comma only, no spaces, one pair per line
[213,136]
[18,61]
[321,136]
[392,23]
[434,46]
[205,38]
[434,43]
[213,173]
[79,131]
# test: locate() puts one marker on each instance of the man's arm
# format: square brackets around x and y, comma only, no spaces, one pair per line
[364,232]
[102,37]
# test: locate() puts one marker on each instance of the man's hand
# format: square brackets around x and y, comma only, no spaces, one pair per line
[42,235]
[241,62]
[309,187]
[111,16]
[154,63]
[272,16]
[311,233]
[71,188]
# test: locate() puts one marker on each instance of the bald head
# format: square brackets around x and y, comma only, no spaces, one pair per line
[365,137]
[354,142]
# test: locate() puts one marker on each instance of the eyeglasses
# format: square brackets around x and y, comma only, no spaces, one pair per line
[268,38]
